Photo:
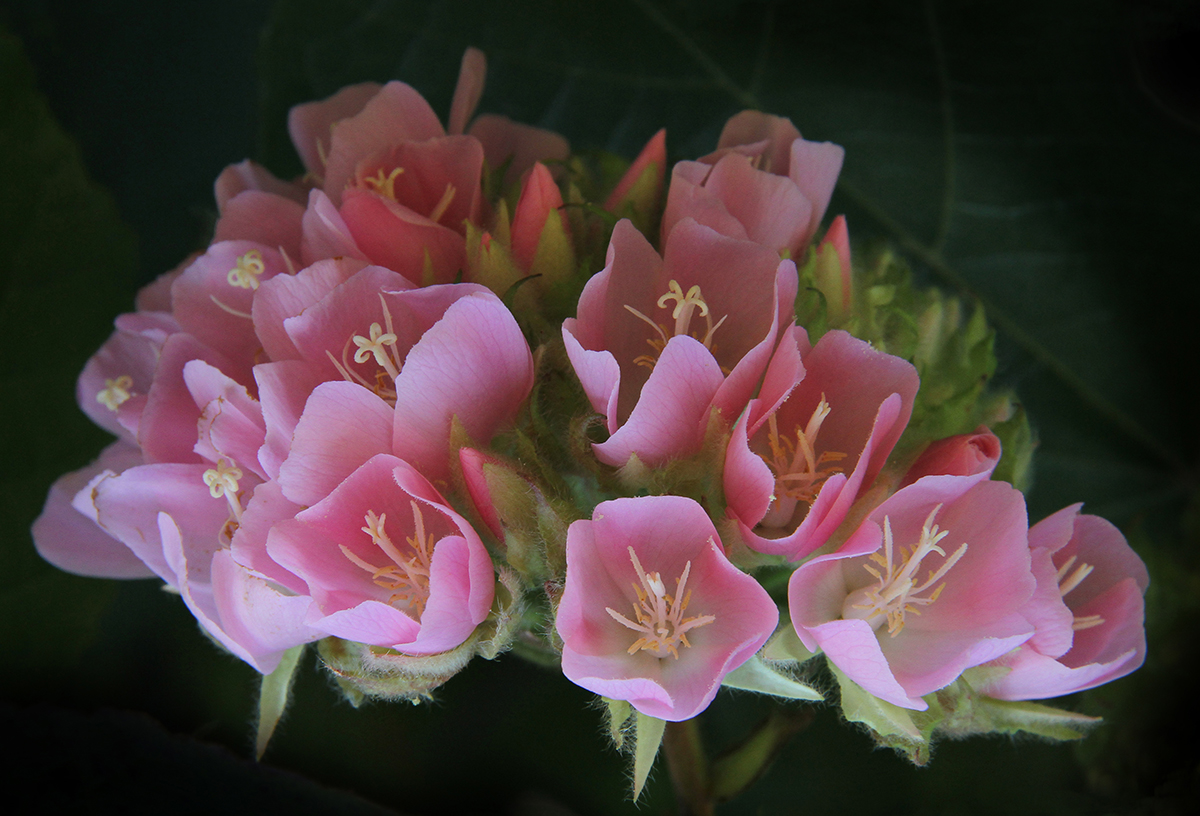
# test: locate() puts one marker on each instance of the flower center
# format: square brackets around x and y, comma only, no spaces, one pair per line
[380,347]
[406,576]
[799,471]
[659,616]
[223,481]
[115,392]
[686,307]
[247,271]
[1067,581]
[897,591]
[383,185]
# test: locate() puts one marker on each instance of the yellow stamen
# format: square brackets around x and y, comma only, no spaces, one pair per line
[799,471]
[115,392]
[384,185]
[897,592]
[686,305]
[407,576]
[660,620]
[249,267]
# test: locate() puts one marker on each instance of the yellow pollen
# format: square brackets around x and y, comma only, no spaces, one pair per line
[686,306]
[660,620]
[406,576]
[897,592]
[223,481]
[373,347]
[249,267]
[384,185]
[799,471]
[115,392]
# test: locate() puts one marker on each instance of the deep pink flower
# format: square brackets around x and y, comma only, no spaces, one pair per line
[387,562]
[764,184]
[974,454]
[1088,610]
[396,187]
[652,611]
[824,423]
[930,585]
[658,341]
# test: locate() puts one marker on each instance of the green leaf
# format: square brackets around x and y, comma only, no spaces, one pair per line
[273,697]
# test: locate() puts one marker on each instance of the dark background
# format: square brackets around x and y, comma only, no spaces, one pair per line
[1040,156]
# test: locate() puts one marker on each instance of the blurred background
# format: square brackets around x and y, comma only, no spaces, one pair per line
[1041,157]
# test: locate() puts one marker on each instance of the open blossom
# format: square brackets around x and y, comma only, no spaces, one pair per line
[659,341]
[1088,610]
[824,423]
[930,585]
[764,184]
[387,562]
[395,187]
[652,611]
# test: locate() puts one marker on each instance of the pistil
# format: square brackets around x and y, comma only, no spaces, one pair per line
[686,306]
[406,576]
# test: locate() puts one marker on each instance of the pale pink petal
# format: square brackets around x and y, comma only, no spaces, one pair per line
[396,114]
[473,364]
[285,296]
[324,233]
[671,413]
[283,389]
[814,167]
[520,146]
[311,124]
[471,77]
[343,425]
[249,175]
[264,218]
[69,538]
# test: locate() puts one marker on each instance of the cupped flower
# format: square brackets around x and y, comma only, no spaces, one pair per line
[1088,610]
[652,611]
[659,341]
[764,183]
[826,419]
[931,584]
[396,188]
[388,562]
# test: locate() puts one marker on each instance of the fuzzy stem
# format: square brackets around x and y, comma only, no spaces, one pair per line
[688,767]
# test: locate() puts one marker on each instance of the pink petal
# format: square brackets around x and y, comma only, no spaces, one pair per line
[396,114]
[311,124]
[69,538]
[343,425]
[471,78]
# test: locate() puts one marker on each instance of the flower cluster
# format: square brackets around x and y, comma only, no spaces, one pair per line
[393,409]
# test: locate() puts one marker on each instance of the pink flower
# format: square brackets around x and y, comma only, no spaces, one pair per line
[930,585]
[1087,608]
[652,611]
[396,188]
[387,562]
[824,423]
[659,341]
[764,184]
[974,454]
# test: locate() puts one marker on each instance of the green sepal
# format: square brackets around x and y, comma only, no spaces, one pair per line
[785,647]
[755,675]
[890,725]
[363,671]
[273,697]
[619,714]
[648,735]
